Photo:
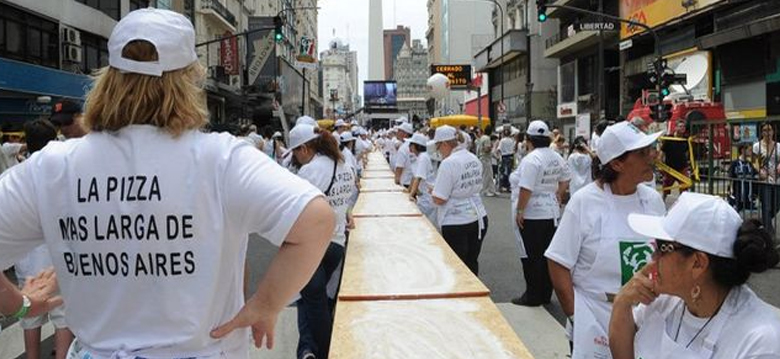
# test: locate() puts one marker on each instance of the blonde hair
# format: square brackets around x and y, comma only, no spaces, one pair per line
[174,102]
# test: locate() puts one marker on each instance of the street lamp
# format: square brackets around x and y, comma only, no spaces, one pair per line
[501,71]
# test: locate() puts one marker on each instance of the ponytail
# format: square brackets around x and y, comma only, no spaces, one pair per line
[326,145]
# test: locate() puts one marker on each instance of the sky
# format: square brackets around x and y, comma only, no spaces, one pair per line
[349,19]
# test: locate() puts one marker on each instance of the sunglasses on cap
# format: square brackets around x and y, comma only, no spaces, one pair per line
[661,247]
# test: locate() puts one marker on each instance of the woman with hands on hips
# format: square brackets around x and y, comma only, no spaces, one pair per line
[692,299]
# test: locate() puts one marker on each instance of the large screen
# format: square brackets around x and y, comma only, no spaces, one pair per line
[380,93]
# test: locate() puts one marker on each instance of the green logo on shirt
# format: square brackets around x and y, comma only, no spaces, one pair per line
[633,256]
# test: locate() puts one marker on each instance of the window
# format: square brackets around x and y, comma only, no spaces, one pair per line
[586,73]
[94,52]
[108,7]
[139,4]
[26,37]
[567,82]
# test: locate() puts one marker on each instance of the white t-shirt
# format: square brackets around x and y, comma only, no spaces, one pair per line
[458,182]
[9,152]
[540,172]
[580,167]
[405,159]
[319,172]
[506,146]
[483,147]
[350,160]
[256,139]
[576,241]
[752,328]
[268,147]
[594,141]
[423,169]
[150,230]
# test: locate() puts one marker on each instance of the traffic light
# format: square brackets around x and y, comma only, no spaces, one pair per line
[541,9]
[278,34]
[661,112]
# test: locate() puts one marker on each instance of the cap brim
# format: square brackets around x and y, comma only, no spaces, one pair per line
[647,141]
[648,226]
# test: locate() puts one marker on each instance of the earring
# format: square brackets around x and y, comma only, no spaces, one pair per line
[696,293]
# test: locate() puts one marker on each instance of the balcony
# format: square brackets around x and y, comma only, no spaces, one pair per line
[221,13]
[569,41]
[555,12]
[490,57]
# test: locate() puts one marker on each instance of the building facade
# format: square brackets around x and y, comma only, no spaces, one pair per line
[411,72]
[393,41]
[339,80]
[457,30]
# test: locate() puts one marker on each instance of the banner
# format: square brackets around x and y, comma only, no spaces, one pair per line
[656,12]
[582,126]
[228,54]
[307,53]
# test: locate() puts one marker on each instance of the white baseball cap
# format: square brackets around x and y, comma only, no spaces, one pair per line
[406,127]
[538,128]
[299,135]
[445,133]
[306,120]
[346,137]
[171,34]
[419,139]
[621,138]
[402,119]
[700,221]
[339,123]
[276,134]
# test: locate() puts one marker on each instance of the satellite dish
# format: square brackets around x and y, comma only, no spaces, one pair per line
[695,67]
[438,85]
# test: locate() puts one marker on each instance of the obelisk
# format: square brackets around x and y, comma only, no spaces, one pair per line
[376,56]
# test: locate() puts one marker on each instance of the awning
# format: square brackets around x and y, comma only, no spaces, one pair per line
[752,29]
[38,80]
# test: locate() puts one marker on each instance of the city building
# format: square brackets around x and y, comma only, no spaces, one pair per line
[393,41]
[518,73]
[339,80]
[49,47]
[376,58]
[411,71]
[588,86]
[457,30]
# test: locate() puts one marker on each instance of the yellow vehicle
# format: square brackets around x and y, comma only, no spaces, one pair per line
[326,123]
[458,120]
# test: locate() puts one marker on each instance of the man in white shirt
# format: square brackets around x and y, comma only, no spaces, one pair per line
[506,148]
[483,147]
[404,159]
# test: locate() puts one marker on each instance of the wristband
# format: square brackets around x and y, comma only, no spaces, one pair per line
[22,312]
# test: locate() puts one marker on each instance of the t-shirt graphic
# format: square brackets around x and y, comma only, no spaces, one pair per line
[633,256]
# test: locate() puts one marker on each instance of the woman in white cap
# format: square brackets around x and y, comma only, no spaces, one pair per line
[694,300]
[404,160]
[147,218]
[461,214]
[321,163]
[594,252]
[424,176]
[544,177]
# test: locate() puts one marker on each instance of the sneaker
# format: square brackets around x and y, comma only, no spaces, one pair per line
[490,194]
[522,301]
[308,355]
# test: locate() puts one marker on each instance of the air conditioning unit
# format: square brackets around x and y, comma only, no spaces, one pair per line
[71,53]
[71,36]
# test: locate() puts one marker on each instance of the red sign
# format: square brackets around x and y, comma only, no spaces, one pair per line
[228,54]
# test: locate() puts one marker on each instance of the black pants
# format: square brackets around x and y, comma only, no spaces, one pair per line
[537,234]
[466,241]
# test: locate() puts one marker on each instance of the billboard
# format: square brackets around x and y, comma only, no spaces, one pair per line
[379,94]
[459,75]
[654,13]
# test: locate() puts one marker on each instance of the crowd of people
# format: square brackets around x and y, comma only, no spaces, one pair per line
[145,220]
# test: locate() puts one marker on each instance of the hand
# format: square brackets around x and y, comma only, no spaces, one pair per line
[520,220]
[640,289]
[413,199]
[41,289]
[255,314]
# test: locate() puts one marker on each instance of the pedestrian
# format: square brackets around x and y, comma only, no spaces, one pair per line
[579,163]
[322,164]
[768,151]
[506,149]
[461,215]
[743,174]
[674,153]
[520,148]
[38,133]
[424,177]
[484,149]
[404,160]
[68,116]
[597,132]
[692,299]
[594,252]
[13,150]
[543,178]
[148,219]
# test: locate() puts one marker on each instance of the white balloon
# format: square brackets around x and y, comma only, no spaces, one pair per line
[438,85]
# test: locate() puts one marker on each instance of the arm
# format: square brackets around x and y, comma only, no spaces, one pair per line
[414,188]
[40,290]
[622,328]
[525,196]
[290,270]
[564,287]
[563,186]
[398,171]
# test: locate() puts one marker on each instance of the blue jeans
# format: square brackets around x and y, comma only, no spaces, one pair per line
[315,313]
[506,169]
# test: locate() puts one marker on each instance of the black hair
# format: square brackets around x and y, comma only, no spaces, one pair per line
[417,147]
[579,144]
[489,130]
[38,133]
[604,172]
[539,141]
[754,252]
[601,126]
